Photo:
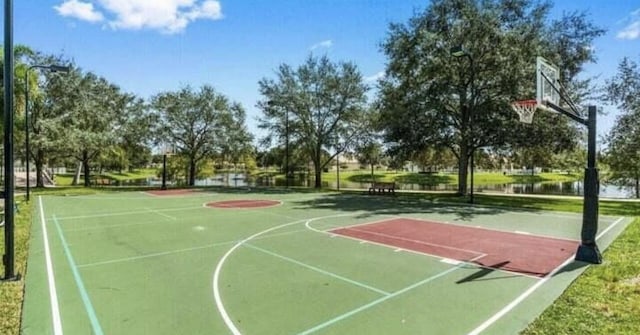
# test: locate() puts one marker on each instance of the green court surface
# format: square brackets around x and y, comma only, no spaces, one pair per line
[139,263]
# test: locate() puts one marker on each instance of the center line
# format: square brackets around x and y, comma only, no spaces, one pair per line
[331,274]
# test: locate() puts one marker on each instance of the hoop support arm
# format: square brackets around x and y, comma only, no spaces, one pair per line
[561,110]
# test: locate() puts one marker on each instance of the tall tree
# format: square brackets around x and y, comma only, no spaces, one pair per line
[194,122]
[86,107]
[370,153]
[623,149]
[431,98]
[134,132]
[316,106]
[42,112]
[236,145]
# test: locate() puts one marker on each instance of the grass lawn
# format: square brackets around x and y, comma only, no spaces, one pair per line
[11,292]
[604,300]
[67,178]
[480,178]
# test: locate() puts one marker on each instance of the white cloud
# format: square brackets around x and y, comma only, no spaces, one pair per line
[166,16]
[374,78]
[632,30]
[79,10]
[323,44]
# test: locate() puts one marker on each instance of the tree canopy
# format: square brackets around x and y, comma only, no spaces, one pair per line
[623,142]
[429,98]
[319,105]
[196,122]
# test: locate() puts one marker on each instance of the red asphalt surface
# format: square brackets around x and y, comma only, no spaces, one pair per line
[243,203]
[521,253]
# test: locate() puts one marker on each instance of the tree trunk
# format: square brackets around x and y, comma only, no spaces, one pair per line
[318,172]
[86,168]
[637,188]
[192,171]
[463,164]
[39,161]
[373,179]
[76,177]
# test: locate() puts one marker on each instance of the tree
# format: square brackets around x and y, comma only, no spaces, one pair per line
[370,153]
[236,146]
[430,98]
[83,110]
[195,122]
[623,142]
[318,105]
[134,132]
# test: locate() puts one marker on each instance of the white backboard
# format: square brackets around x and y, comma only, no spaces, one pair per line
[547,88]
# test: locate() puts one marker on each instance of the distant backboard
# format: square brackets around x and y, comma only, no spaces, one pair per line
[547,82]
[167,148]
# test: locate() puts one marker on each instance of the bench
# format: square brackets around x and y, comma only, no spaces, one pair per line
[382,187]
[101,182]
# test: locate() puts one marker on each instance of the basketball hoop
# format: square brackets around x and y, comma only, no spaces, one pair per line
[525,109]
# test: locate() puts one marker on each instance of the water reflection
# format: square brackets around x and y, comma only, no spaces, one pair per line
[242,180]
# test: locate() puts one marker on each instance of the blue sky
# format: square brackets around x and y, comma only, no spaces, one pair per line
[150,46]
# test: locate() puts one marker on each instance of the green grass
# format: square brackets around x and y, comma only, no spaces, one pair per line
[11,293]
[604,300]
[482,178]
[66,179]
[130,175]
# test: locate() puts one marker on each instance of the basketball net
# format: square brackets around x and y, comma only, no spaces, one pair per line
[525,109]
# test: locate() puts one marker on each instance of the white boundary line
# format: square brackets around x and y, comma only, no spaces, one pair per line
[53,296]
[216,275]
[171,252]
[531,289]
[378,301]
[244,201]
[467,263]
[477,253]
[175,195]
[492,229]
[319,270]
[125,213]
[151,210]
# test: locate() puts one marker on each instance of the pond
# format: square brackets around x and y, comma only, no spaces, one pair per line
[553,188]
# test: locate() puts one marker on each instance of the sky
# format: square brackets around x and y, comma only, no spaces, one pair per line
[151,46]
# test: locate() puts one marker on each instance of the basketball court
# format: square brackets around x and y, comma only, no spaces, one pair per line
[294,263]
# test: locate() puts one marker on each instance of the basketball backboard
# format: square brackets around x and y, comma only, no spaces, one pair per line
[547,82]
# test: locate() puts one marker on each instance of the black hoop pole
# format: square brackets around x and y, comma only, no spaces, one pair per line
[588,250]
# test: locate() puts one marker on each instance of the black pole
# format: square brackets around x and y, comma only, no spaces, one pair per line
[8,257]
[472,168]
[338,170]
[588,250]
[26,125]
[286,147]
[164,172]
[471,113]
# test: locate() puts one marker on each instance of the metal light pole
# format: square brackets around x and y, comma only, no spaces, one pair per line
[51,68]
[286,147]
[459,51]
[338,170]
[8,257]
[164,172]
